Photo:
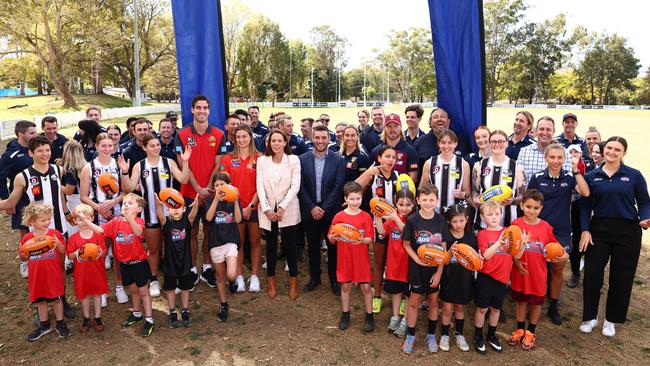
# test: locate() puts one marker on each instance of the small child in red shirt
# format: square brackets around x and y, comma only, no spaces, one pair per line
[492,279]
[90,274]
[397,260]
[353,259]
[45,279]
[528,281]
[127,232]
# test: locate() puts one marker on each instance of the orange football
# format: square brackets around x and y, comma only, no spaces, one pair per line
[108,184]
[553,250]
[346,232]
[89,251]
[171,198]
[228,193]
[512,236]
[433,254]
[466,256]
[38,245]
[381,207]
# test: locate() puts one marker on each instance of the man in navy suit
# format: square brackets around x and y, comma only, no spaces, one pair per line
[323,176]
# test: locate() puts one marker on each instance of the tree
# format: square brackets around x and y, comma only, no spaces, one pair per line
[234,16]
[565,87]
[327,56]
[643,91]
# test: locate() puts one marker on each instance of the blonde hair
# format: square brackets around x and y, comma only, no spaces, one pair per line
[102,136]
[489,207]
[553,146]
[73,157]
[138,200]
[35,209]
[84,209]
[342,144]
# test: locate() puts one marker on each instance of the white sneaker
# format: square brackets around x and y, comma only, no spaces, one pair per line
[588,326]
[461,342]
[122,298]
[286,267]
[609,329]
[154,289]
[69,263]
[254,284]
[444,343]
[107,262]
[104,300]
[264,265]
[24,269]
[323,244]
[241,287]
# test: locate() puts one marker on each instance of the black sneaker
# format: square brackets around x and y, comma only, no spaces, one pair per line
[344,322]
[573,281]
[223,314]
[555,316]
[62,330]
[369,324]
[173,320]
[232,287]
[186,322]
[479,345]
[38,333]
[131,320]
[495,343]
[147,329]
[68,311]
[208,277]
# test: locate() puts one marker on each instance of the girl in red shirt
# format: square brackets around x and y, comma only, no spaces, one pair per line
[45,279]
[89,274]
[397,260]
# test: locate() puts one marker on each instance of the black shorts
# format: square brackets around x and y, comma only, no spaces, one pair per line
[566,241]
[394,287]
[152,226]
[17,218]
[489,292]
[183,282]
[420,279]
[200,215]
[138,273]
[46,299]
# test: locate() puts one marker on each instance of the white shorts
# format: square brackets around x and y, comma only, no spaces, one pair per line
[220,253]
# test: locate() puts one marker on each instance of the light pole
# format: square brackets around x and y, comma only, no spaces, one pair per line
[388,88]
[364,83]
[136,55]
[290,68]
[312,87]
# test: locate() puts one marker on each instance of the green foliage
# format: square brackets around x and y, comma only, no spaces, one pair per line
[327,56]
[643,91]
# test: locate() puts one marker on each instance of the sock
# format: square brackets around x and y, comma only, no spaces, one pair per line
[193,269]
[185,314]
[478,332]
[492,331]
[531,327]
[444,329]
[206,267]
[552,305]
[345,314]
[45,324]
[369,316]
[410,331]
[185,310]
[432,326]
[460,324]
[149,319]
[137,314]
[521,325]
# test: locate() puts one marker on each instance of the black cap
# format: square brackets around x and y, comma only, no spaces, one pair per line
[171,114]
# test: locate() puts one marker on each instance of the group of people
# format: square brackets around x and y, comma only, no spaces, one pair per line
[293,188]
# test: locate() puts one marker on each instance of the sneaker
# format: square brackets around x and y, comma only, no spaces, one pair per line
[24,273]
[407,346]
[609,329]
[104,298]
[85,325]
[241,286]
[68,311]
[402,307]
[38,333]
[376,305]
[208,277]
[253,284]
[516,337]
[107,262]
[529,341]
[588,326]
[223,314]
[394,323]
[461,342]
[177,291]
[479,345]
[573,281]
[132,319]
[431,343]
[369,324]
[62,330]
[444,343]
[286,267]
[264,265]
[122,298]
[495,343]
[154,289]
[147,329]
[186,321]
[98,325]
[232,287]
[555,316]
[323,245]
[344,322]
[195,277]
[401,330]
[173,320]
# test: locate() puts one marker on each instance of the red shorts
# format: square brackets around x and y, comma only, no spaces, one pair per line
[531,299]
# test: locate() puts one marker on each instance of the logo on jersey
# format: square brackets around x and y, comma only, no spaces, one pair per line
[53,177]
[400,159]
[36,186]
[625,179]
[563,184]
[145,173]
[178,235]
[436,169]
[235,163]
[124,238]
[221,217]
[426,237]
[396,234]
[487,171]
[191,141]
[97,172]
[50,254]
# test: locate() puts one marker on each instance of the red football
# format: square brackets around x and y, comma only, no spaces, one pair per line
[38,245]
[433,254]
[466,256]
[381,207]
[346,232]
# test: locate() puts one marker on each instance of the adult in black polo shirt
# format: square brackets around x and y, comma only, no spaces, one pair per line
[232,122]
[520,137]
[167,145]
[414,115]
[50,127]
[371,136]
[285,124]
[134,152]
[558,186]
[611,225]
[256,125]
[568,137]
[356,160]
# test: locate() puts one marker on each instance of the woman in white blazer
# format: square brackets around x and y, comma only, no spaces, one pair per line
[278,183]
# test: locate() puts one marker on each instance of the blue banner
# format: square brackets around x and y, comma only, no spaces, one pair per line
[458,49]
[200,57]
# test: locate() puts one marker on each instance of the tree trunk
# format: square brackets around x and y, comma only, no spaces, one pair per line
[54,63]
[39,85]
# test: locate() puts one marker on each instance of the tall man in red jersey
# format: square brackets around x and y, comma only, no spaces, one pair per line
[208,143]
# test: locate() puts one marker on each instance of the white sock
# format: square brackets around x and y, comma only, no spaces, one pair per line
[149,319]
[193,269]
[206,266]
[137,314]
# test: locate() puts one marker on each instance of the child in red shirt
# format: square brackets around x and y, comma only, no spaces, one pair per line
[528,281]
[397,260]
[492,279]
[45,279]
[90,274]
[353,259]
[127,233]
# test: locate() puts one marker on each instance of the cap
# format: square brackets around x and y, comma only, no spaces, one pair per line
[171,114]
[569,115]
[392,118]
[575,148]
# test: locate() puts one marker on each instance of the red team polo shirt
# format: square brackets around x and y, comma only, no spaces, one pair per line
[242,176]
[534,283]
[127,246]
[500,265]
[45,271]
[204,150]
[353,260]
[397,260]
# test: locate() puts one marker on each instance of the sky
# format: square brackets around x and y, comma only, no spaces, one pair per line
[365,23]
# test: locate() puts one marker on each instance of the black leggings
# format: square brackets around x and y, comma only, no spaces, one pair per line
[288,234]
[576,254]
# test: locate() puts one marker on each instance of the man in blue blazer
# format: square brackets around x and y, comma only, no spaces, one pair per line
[321,192]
